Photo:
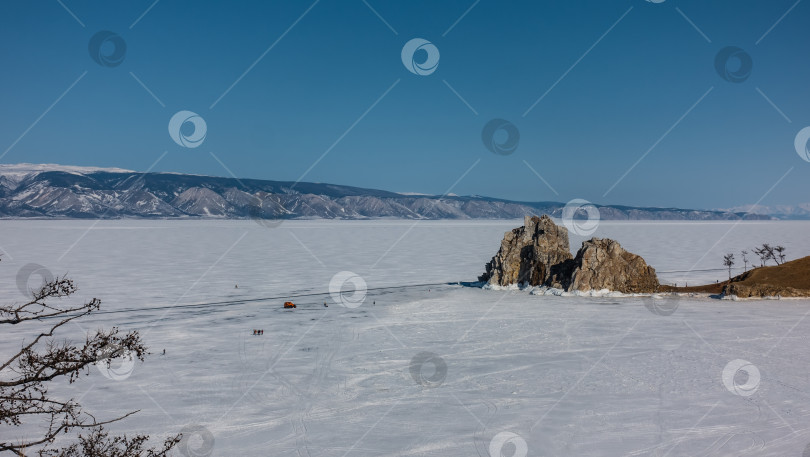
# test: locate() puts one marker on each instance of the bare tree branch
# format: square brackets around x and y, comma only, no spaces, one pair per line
[24,378]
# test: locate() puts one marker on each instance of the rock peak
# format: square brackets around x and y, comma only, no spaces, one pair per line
[527,253]
[538,254]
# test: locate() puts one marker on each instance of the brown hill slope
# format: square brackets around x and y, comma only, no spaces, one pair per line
[791,279]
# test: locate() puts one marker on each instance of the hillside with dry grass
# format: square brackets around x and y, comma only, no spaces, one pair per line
[790,279]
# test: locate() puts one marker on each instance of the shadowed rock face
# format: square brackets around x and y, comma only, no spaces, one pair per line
[538,254]
[528,253]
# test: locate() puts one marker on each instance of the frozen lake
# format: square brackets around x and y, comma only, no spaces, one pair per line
[562,375]
[162,260]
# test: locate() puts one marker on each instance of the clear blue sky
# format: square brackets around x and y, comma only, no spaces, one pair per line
[656,62]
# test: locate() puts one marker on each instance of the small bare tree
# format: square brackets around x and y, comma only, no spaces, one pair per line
[780,252]
[745,259]
[767,250]
[763,254]
[728,260]
[25,377]
[758,254]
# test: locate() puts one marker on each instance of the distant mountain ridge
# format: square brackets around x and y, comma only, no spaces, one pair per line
[56,191]
[787,212]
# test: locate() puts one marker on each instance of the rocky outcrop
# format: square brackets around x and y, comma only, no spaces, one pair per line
[528,253]
[763,290]
[604,264]
[538,254]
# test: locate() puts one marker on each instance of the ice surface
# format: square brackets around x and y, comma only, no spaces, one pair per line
[580,376]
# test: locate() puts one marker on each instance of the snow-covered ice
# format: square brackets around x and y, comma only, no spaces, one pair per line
[569,375]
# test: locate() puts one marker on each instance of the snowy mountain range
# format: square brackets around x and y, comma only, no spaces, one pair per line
[56,191]
[787,212]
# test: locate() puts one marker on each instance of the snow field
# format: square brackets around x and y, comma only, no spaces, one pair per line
[454,371]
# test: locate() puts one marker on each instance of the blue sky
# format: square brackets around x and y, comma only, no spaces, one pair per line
[331,101]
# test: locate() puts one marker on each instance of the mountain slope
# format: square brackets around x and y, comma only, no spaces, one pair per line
[53,191]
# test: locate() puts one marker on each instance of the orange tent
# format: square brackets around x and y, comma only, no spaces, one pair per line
[289,304]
